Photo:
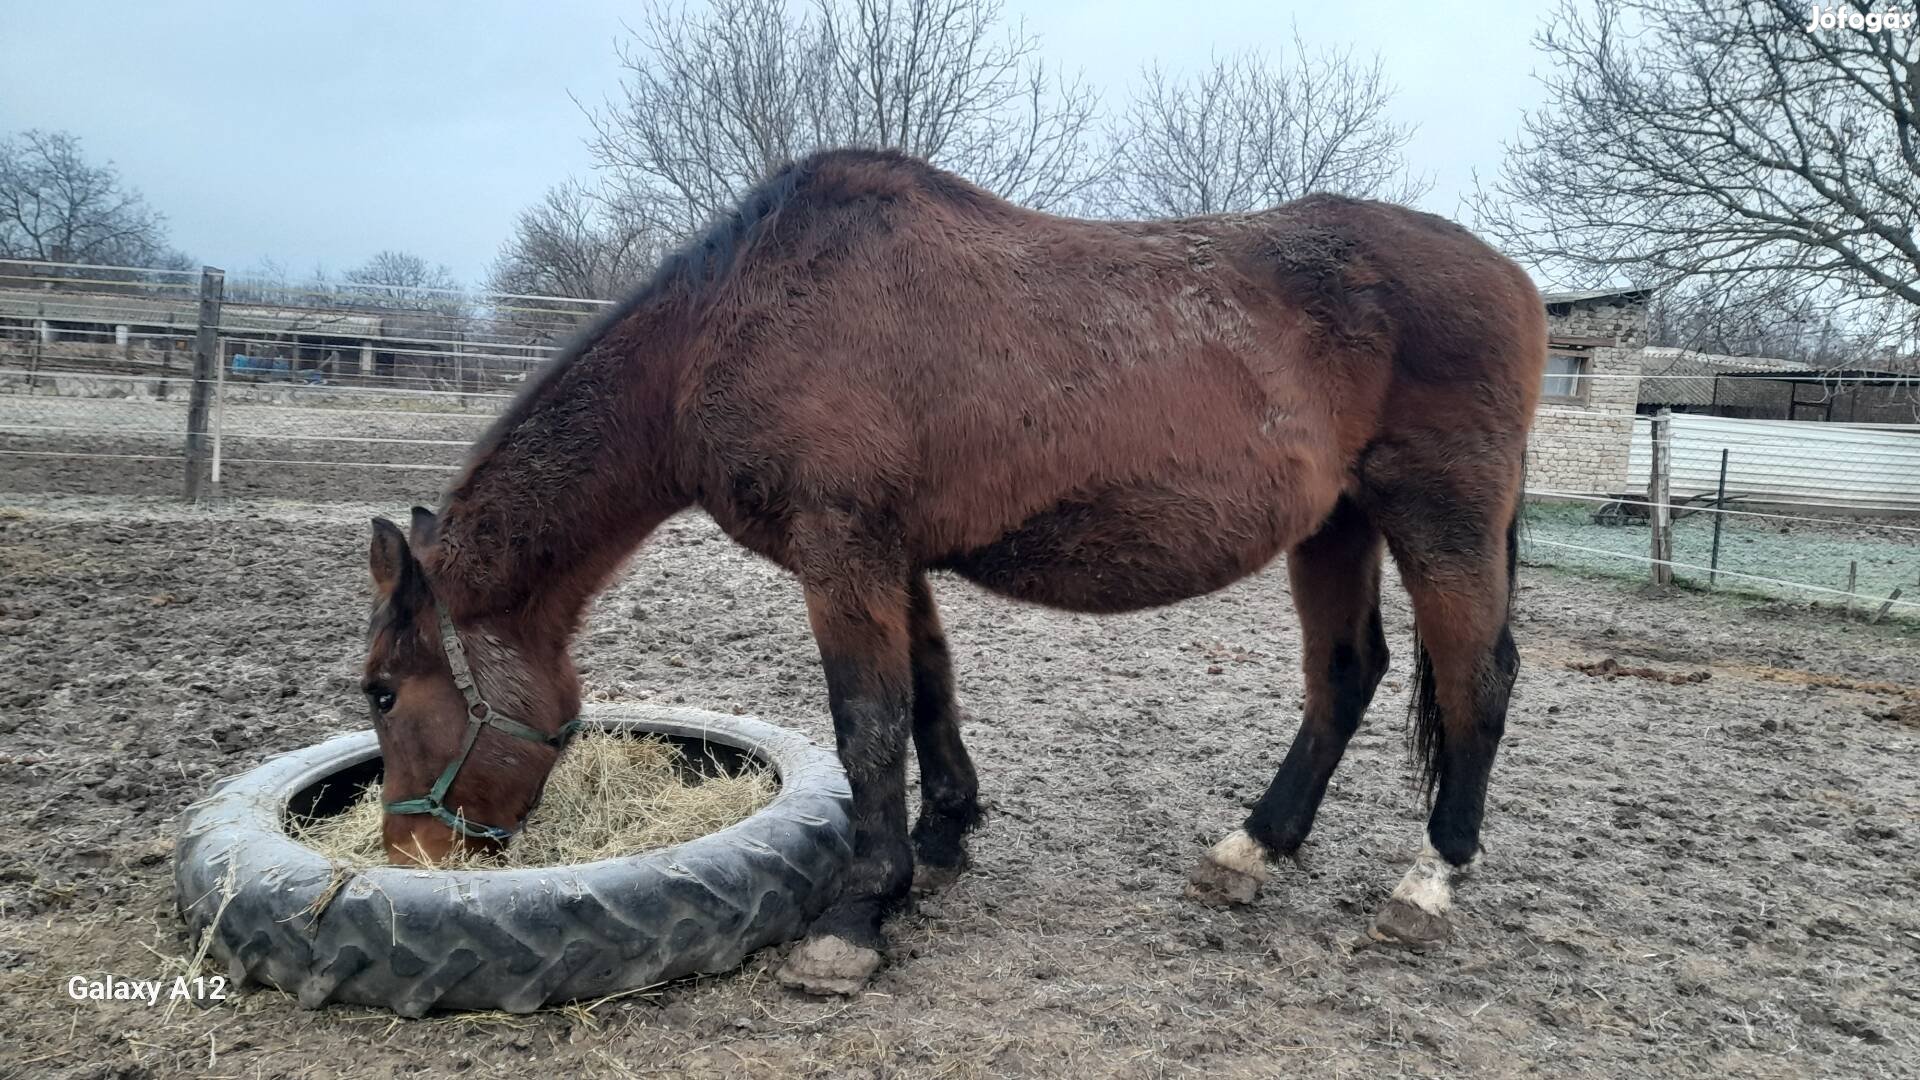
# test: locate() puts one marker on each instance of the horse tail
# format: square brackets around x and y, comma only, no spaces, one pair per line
[1424,736]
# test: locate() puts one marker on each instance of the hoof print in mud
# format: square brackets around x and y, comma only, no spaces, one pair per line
[828,965]
[1409,927]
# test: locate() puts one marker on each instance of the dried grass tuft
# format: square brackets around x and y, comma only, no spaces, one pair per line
[610,795]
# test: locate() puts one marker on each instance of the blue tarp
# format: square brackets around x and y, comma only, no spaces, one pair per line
[262,367]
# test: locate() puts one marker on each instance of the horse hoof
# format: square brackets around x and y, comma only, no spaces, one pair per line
[1409,927]
[827,964]
[1216,885]
[929,879]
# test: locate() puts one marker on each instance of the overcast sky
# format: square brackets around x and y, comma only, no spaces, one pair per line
[317,134]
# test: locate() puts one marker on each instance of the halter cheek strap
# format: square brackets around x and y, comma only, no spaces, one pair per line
[479,715]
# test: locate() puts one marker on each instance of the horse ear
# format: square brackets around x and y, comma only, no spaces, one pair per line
[388,557]
[426,529]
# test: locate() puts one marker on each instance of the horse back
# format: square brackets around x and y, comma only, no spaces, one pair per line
[999,388]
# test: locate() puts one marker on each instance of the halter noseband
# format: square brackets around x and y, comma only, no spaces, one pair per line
[479,715]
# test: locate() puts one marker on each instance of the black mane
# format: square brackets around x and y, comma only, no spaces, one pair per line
[701,262]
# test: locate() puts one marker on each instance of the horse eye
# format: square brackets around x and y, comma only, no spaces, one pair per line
[382,699]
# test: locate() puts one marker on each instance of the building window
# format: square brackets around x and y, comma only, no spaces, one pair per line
[1566,376]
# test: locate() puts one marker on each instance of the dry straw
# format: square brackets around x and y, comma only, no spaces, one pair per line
[610,795]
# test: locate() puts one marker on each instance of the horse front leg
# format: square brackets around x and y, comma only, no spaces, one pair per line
[862,631]
[1336,591]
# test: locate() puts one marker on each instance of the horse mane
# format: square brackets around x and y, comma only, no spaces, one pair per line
[696,267]
[701,267]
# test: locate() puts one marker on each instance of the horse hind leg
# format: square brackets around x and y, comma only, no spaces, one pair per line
[1461,709]
[1335,575]
[1455,543]
[949,787]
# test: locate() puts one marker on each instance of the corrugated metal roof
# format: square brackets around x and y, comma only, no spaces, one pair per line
[1578,296]
[1697,369]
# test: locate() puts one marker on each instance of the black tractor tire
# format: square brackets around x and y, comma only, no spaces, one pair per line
[412,940]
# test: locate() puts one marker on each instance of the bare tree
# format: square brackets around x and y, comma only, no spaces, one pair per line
[1724,151]
[575,243]
[403,281]
[265,282]
[1722,318]
[57,206]
[1246,133]
[713,102]
[942,80]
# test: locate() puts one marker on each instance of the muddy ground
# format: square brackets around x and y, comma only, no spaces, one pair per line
[1683,877]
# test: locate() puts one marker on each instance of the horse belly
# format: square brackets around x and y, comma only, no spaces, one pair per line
[1123,549]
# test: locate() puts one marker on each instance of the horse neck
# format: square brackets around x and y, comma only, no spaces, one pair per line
[569,482]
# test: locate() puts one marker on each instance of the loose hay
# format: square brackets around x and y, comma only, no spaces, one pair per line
[610,795]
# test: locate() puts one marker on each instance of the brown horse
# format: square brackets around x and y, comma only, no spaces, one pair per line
[873,369]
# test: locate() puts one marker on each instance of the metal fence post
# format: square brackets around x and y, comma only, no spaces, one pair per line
[206,347]
[39,336]
[166,361]
[1719,515]
[219,408]
[1659,511]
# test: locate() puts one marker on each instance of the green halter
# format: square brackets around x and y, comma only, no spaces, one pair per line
[479,715]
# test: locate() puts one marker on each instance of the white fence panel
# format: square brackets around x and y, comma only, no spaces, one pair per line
[1859,466]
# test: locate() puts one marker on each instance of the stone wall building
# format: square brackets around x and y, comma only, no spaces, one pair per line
[1584,425]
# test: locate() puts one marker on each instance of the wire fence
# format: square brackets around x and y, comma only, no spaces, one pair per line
[1822,513]
[127,380]
[372,393]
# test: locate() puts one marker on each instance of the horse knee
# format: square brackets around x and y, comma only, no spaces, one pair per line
[1354,671]
[1490,688]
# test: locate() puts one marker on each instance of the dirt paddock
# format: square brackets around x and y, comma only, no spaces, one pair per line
[1702,875]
